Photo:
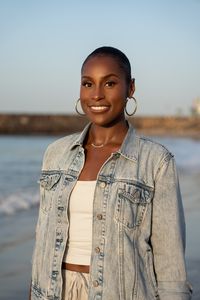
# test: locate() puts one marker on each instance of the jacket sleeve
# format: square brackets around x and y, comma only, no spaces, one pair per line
[168,234]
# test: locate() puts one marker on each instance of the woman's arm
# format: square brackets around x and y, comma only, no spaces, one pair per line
[168,234]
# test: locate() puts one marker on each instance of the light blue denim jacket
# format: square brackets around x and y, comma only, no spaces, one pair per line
[138,222]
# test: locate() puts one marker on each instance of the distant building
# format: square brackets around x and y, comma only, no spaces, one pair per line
[195,109]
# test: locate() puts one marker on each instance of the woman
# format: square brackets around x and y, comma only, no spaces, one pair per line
[111,222]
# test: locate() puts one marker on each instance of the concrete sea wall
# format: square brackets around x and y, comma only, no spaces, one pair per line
[65,124]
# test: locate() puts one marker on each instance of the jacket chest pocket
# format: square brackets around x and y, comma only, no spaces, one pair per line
[132,203]
[48,185]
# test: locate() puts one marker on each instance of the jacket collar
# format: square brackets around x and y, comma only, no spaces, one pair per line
[129,148]
[80,139]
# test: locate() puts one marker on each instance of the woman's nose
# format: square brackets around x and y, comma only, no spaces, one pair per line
[98,93]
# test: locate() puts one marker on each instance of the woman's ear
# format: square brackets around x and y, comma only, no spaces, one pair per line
[131,88]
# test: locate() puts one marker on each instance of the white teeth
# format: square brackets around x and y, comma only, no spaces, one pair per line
[98,108]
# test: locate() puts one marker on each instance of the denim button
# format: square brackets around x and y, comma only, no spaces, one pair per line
[95,283]
[99,217]
[97,250]
[102,185]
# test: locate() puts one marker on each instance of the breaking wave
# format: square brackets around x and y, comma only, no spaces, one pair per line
[18,201]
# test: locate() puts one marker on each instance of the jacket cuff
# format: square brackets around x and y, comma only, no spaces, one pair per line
[180,290]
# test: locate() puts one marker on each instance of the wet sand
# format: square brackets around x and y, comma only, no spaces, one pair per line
[190,187]
[17,240]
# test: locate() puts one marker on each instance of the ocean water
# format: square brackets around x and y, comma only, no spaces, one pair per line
[20,164]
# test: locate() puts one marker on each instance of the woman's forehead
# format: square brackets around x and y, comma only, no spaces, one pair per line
[105,63]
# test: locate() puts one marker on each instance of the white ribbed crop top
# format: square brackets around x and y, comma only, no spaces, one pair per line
[79,246]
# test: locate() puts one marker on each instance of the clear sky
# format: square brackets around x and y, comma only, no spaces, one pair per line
[44,42]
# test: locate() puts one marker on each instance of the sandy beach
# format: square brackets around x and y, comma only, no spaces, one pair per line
[17,234]
[191,199]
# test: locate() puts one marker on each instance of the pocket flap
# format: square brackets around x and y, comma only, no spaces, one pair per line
[48,181]
[138,196]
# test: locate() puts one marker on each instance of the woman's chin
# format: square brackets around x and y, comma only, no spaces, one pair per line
[103,121]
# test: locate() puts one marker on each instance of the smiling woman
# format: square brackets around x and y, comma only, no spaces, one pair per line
[106,84]
[104,90]
[111,222]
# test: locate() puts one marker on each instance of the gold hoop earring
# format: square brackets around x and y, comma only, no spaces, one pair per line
[134,111]
[76,108]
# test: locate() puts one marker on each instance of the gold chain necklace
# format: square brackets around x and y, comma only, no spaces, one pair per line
[97,146]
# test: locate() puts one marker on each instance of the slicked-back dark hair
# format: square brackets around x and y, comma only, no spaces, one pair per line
[116,54]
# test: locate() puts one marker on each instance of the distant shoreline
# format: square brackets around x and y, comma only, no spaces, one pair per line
[41,124]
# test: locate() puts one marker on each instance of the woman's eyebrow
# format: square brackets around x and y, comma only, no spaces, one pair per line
[103,77]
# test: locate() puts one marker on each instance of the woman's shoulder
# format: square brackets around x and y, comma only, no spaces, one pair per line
[152,155]
[151,142]
[153,148]
[63,142]
[60,146]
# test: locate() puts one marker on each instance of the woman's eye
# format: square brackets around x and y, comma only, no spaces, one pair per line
[86,84]
[110,83]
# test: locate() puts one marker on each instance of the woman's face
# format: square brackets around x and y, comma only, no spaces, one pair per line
[104,90]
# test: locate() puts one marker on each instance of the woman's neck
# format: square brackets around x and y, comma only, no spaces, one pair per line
[115,134]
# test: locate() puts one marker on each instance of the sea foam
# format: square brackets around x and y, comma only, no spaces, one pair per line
[18,201]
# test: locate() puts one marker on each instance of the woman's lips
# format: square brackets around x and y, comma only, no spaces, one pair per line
[99,108]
